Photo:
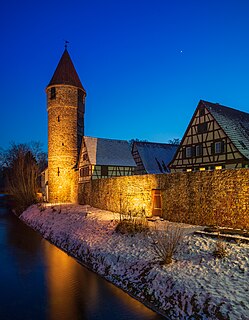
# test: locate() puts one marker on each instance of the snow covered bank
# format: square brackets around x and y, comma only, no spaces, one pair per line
[195,286]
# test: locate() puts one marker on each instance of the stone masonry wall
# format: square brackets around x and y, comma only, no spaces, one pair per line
[62,143]
[218,197]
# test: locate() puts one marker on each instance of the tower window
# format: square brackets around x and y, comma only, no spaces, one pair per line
[53,93]
[58,171]
[58,119]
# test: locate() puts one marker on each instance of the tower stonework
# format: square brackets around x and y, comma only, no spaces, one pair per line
[66,107]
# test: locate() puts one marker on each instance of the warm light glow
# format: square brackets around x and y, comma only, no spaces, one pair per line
[218,167]
[202,169]
[189,170]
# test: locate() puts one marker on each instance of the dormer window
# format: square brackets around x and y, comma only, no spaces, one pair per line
[53,93]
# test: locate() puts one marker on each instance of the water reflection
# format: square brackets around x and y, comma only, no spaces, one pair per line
[39,281]
[77,293]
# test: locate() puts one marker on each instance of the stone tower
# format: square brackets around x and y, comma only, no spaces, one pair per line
[66,107]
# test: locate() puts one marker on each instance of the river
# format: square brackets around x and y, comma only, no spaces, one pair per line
[39,281]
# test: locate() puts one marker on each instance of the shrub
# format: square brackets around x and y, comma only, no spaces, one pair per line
[220,250]
[131,224]
[165,242]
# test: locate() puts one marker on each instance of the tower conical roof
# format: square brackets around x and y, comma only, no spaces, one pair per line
[65,73]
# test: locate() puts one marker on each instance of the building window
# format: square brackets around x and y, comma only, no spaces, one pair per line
[202,127]
[58,119]
[84,172]
[202,169]
[198,150]
[218,167]
[85,157]
[58,171]
[202,112]
[188,170]
[218,147]
[104,171]
[188,152]
[53,93]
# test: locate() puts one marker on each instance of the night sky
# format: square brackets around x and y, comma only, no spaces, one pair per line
[144,64]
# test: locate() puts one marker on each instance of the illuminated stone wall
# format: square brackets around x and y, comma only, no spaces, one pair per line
[218,197]
[63,137]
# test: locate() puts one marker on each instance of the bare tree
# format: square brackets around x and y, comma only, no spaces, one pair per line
[175,141]
[22,164]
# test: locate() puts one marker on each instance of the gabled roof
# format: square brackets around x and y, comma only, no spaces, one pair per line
[234,123]
[65,73]
[109,152]
[155,156]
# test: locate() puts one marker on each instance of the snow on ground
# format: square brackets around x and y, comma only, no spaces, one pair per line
[195,286]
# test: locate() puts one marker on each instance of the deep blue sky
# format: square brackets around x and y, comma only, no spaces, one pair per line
[144,64]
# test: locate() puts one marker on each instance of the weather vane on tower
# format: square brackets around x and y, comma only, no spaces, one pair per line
[66,43]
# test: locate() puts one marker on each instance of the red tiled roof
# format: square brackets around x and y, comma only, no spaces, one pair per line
[65,73]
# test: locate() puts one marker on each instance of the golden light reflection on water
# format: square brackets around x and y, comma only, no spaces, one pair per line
[76,293]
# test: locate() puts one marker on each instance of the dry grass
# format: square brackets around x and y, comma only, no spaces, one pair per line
[166,242]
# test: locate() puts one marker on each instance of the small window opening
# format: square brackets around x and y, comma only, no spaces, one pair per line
[202,127]
[58,171]
[104,171]
[53,93]
[62,143]
[58,119]
[202,112]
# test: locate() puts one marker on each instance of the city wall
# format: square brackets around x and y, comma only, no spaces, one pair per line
[218,197]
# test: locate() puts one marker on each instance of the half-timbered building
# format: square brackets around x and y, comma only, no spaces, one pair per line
[104,158]
[152,157]
[217,137]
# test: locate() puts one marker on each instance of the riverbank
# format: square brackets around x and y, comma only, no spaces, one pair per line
[195,286]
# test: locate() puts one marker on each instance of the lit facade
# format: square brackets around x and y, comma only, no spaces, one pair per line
[66,107]
[217,138]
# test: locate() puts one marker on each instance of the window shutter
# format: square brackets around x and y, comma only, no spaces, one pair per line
[212,148]
[193,153]
[222,146]
[184,153]
[201,149]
